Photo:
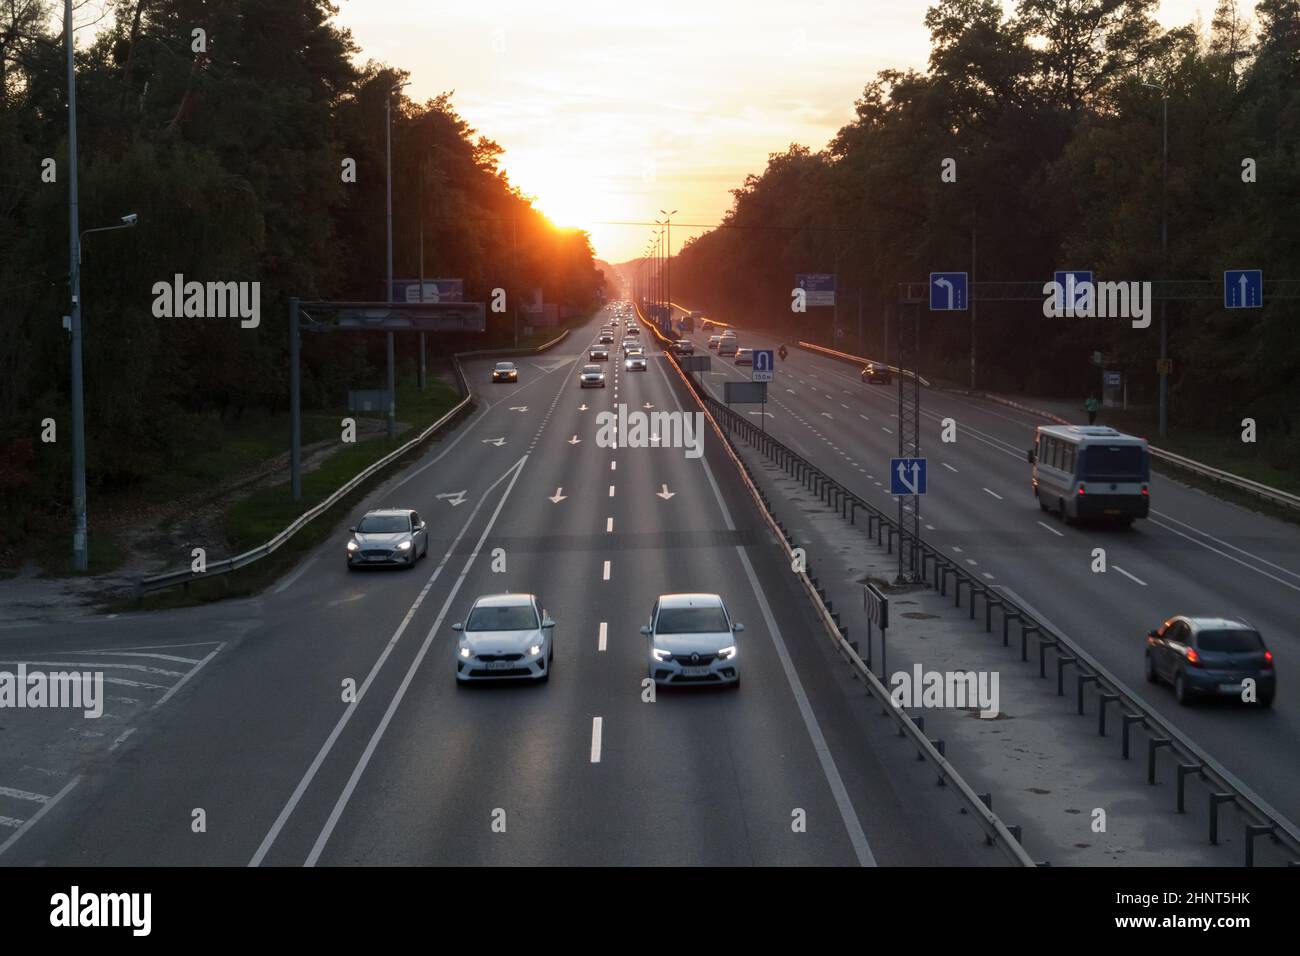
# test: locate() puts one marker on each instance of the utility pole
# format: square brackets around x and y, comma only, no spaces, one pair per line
[80,545]
[388,289]
[973,303]
[1164,255]
[421,203]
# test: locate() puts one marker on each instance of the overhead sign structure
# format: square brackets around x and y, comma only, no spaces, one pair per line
[764,365]
[818,287]
[949,291]
[435,290]
[1243,288]
[745,393]
[907,476]
[695,363]
[424,317]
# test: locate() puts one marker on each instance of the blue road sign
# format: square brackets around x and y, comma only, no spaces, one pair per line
[764,365]
[1243,288]
[819,287]
[948,291]
[907,476]
[1071,282]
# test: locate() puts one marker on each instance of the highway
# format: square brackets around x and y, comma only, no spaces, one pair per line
[262,758]
[1196,554]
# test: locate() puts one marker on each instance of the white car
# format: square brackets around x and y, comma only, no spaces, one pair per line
[505,637]
[692,641]
[635,361]
[728,345]
[591,376]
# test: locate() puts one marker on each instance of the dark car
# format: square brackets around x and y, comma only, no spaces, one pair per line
[874,374]
[1210,657]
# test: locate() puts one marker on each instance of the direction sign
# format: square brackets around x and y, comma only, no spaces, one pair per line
[907,476]
[695,363]
[1071,283]
[434,290]
[819,287]
[876,605]
[764,365]
[948,291]
[744,393]
[1243,288]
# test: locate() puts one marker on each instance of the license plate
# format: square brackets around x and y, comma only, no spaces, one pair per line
[500,665]
[1112,511]
[1230,688]
[695,671]
[377,557]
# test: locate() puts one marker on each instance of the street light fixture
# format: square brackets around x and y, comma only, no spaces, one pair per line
[388,290]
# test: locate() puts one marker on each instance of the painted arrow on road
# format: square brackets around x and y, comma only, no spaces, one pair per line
[647,405]
[665,494]
[557,497]
[454,498]
[494,441]
[519,408]
[574,440]
[582,407]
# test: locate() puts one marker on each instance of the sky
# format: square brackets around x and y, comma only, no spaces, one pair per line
[613,113]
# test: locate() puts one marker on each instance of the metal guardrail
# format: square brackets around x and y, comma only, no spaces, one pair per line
[979,805]
[184,576]
[1224,787]
[856,359]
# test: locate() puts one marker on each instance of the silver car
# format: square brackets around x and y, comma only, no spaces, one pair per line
[592,376]
[388,536]
[505,637]
[635,361]
[692,641]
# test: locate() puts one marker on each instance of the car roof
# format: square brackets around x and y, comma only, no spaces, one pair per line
[505,364]
[385,512]
[503,600]
[1218,623]
[689,600]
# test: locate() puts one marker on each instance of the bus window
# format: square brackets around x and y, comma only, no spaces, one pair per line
[1114,462]
[1068,465]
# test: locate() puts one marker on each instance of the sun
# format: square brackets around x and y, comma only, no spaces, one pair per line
[562,189]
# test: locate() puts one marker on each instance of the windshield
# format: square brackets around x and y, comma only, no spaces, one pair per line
[1233,641]
[516,617]
[1112,462]
[384,524]
[691,620]
[505,366]
[591,368]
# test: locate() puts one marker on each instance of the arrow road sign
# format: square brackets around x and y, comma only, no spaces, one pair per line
[665,494]
[494,441]
[764,365]
[907,476]
[574,440]
[1071,282]
[1243,288]
[557,497]
[519,408]
[454,498]
[948,291]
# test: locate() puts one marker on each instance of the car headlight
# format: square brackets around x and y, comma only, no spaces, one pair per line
[727,653]
[535,650]
[404,546]
[660,654]
[464,651]
[353,546]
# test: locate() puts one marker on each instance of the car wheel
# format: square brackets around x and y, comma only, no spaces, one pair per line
[1181,694]
[1151,670]
[736,682]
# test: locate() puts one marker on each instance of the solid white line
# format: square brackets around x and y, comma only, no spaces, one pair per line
[35,818]
[948,466]
[1130,576]
[342,722]
[122,737]
[1276,567]
[994,494]
[609,524]
[186,679]
[288,582]
[605,576]
[1044,524]
[1225,554]
[597,724]
[373,744]
[604,631]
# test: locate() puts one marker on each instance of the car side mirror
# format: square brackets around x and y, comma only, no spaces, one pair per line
[1029,456]
[645,629]
[737,627]
[458,626]
[548,622]
[353,529]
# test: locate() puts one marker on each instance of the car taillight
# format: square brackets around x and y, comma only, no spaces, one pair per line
[1268,658]
[1193,658]
[1081,488]
[1145,492]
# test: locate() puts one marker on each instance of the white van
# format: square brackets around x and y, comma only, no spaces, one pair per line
[1091,471]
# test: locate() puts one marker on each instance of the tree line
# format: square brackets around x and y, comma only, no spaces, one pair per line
[1049,115]
[231,146]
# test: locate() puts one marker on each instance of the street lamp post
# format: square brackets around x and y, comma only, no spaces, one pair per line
[668,262]
[388,291]
[1164,255]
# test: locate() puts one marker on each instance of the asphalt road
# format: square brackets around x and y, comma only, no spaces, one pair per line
[1196,554]
[260,759]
